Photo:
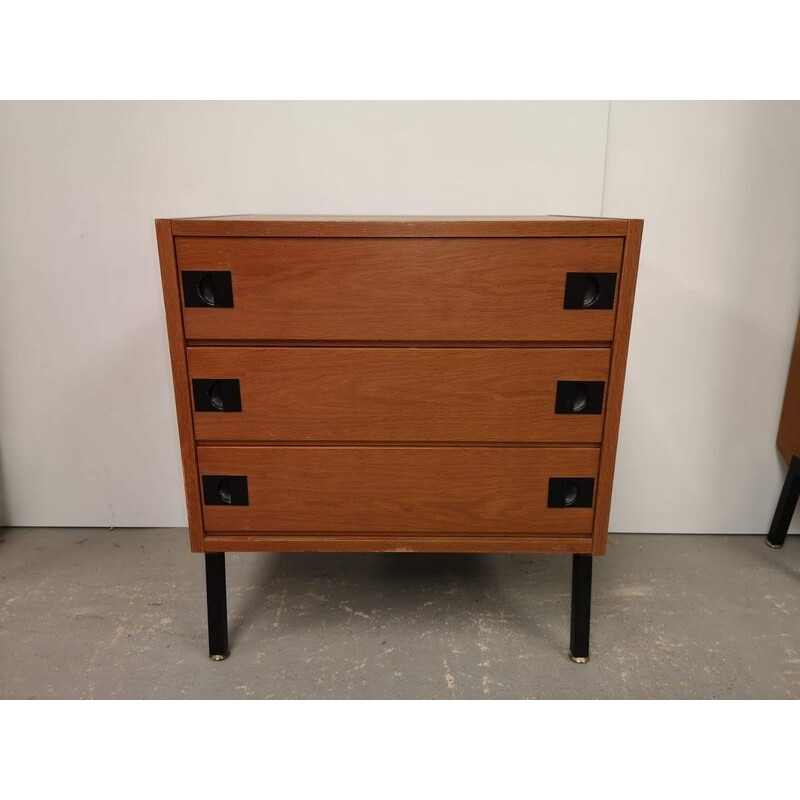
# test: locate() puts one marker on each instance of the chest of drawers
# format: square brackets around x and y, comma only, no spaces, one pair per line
[398,384]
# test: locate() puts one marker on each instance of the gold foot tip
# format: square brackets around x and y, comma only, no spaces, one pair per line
[768,543]
[219,657]
[579,659]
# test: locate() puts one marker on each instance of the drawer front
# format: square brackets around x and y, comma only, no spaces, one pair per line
[447,290]
[397,489]
[477,394]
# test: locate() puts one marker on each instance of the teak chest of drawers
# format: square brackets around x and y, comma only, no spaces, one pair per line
[399,384]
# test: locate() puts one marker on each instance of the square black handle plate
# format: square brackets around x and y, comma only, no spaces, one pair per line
[207,289]
[216,394]
[579,397]
[570,493]
[590,290]
[225,490]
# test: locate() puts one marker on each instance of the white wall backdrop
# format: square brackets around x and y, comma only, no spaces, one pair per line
[87,430]
[717,304]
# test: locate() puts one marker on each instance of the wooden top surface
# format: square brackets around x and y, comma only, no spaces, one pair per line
[377,226]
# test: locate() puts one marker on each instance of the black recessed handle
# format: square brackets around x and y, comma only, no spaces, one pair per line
[225,490]
[216,397]
[570,493]
[579,397]
[207,289]
[590,290]
[217,394]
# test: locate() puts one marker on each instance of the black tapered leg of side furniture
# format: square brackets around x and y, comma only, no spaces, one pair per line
[581,608]
[216,596]
[787,503]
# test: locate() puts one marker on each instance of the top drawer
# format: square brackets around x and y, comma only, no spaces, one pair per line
[404,290]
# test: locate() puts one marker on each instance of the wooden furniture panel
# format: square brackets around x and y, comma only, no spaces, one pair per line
[180,379]
[391,386]
[616,383]
[399,289]
[789,447]
[398,543]
[399,394]
[411,227]
[398,489]
[789,428]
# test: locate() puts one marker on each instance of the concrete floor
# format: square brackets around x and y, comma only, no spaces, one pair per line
[91,613]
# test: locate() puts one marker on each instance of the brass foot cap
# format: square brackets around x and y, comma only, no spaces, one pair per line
[579,659]
[218,657]
[768,543]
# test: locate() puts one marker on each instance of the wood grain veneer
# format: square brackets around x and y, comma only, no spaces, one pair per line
[398,394]
[616,383]
[180,379]
[789,428]
[397,379]
[398,489]
[436,289]
[416,227]
[397,543]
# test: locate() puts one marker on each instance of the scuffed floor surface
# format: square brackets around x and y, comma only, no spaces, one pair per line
[121,614]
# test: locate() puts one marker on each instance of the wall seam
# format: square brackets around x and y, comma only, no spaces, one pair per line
[605,162]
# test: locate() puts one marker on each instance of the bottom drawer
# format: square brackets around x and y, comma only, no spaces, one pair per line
[426,490]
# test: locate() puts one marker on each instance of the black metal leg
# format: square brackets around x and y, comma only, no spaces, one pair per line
[581,608]
[787,503]
[217,607]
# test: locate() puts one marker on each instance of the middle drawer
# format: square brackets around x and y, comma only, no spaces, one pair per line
[390,394]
